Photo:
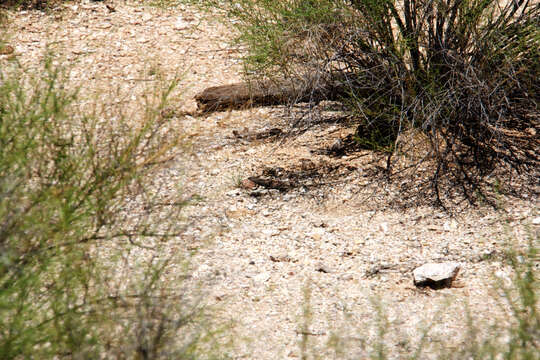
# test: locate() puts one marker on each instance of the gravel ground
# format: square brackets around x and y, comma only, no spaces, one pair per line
[338,242]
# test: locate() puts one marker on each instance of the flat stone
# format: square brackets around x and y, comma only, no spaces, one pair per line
[280,257]
[346,277]
[436,275]
[320,267]
[262,277]
[270,232]
[181,24]
[233,193]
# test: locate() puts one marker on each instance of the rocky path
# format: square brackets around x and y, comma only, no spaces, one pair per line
[260,250]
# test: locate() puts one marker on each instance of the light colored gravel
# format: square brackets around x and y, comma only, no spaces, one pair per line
[258,255]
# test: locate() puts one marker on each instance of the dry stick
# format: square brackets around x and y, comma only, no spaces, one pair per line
[263,93]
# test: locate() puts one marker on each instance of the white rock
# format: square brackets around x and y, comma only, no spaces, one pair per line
[233,193]
[270,232]
[320,267]
[262,277]
[536,221]
[181,24]
[347,276]
[435,272]
[287,197]
[503,277]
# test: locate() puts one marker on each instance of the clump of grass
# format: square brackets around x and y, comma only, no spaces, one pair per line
[163,4]
[525,333]
[68,184]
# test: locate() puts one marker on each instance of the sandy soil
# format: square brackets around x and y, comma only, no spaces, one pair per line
[340,235]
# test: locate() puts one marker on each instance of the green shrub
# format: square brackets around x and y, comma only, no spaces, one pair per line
[68,183]
[464,72]
[33,4]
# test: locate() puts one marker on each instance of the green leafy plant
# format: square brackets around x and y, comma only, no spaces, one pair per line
[68,184]
[463,72]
